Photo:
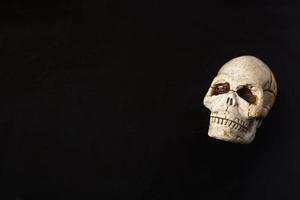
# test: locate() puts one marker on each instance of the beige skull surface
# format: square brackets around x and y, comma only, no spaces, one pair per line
[240,96]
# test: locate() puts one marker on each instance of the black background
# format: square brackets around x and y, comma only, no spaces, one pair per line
[104,100]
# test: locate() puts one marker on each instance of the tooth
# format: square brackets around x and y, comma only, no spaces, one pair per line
[226,121]
[236,125]
[222,121]
[233,124]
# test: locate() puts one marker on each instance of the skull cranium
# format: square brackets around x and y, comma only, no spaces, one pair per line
[240,96]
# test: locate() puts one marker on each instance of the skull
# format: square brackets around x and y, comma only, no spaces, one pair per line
[239,98]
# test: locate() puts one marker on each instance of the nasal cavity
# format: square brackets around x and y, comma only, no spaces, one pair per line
[229,101]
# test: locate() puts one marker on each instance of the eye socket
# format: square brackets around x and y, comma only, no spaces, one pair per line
[220,88]
[247,95]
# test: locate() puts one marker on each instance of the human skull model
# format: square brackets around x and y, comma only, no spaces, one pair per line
[239,98]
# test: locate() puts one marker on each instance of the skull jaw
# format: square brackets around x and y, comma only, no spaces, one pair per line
[230,135]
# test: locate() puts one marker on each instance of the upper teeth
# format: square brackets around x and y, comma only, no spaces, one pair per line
[238,124]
